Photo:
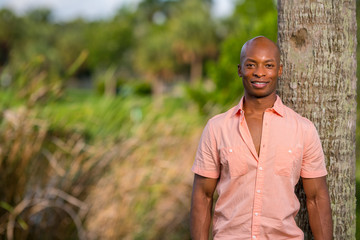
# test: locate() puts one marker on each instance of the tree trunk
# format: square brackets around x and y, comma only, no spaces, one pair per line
[196,69]
[318,50]
[157,86]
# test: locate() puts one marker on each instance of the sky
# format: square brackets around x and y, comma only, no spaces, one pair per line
[92,9]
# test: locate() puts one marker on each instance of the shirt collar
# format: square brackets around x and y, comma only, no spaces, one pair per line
[278,107]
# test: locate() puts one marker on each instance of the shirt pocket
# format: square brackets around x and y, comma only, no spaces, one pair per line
[234,159]
[285,159]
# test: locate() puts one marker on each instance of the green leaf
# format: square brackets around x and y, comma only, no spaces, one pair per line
[6,206]
[22,223]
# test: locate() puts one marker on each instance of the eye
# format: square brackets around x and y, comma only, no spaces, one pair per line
[269,65]
[250,65]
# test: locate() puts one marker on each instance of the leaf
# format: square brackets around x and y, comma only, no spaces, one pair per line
[22,223]
[6,206]
[77,63]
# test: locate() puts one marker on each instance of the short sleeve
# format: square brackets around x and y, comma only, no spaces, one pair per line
[313,164]
[207,162]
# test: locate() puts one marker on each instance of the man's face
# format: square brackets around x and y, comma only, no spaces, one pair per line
[260,67]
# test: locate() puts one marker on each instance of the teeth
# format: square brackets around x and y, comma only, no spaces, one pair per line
[259,84]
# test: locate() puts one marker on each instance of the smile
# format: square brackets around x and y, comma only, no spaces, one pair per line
[256,84]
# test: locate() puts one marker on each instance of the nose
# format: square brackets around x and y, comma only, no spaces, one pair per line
[259,72]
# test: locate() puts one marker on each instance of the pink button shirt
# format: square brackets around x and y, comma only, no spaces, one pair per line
[256,193]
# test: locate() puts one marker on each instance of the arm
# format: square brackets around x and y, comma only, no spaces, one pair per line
[201,207]
[318,206]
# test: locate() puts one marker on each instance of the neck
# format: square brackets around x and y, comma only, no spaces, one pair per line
[258,105]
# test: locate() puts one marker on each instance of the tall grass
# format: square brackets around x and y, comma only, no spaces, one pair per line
[44,178]
[97,168]
[146,194]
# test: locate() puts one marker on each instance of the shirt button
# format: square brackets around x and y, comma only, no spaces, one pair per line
[258,191]
[260,168]
[254,237]
[230,150]
[290,151]
[256,214]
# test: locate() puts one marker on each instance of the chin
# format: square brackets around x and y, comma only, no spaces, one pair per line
[261,94]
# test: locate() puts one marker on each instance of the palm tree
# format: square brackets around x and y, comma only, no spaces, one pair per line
[193,33]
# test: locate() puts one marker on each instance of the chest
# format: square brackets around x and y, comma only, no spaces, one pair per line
[281,144]
[255,124]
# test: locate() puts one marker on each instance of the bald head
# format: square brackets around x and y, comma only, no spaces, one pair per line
[260,42]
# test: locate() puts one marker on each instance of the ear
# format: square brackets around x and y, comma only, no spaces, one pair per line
[239,70]
[280,70]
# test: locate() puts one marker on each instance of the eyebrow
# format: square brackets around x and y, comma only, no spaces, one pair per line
[252,60]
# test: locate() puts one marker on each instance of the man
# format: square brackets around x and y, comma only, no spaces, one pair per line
[254,155]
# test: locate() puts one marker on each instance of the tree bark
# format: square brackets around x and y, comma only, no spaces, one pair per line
[196,69]
[157,86]
[318,50]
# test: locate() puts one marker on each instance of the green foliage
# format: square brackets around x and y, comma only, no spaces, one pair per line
[40,15]
[11,26]
[69,44]
[110,42]
[11,29]
[250,19]
[38,38]
[194,35]
[95,116]
[154,56]
[193,30]
[35,81]
[38,80]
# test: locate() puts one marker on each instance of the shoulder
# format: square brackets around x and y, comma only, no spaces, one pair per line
[220,120]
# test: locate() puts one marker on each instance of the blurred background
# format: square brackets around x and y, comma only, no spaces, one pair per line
[102,106]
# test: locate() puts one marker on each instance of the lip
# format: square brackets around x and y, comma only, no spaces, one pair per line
[259,84]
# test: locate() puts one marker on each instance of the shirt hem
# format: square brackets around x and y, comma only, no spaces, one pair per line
[314,174]
[205,173]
